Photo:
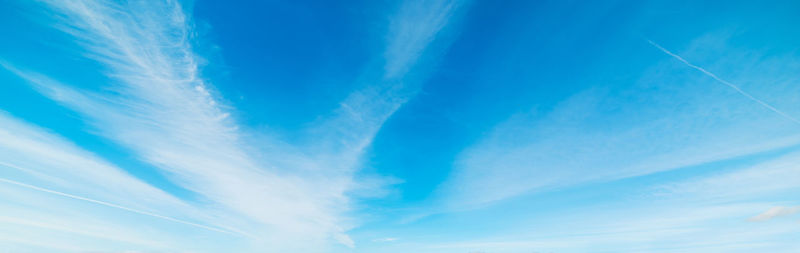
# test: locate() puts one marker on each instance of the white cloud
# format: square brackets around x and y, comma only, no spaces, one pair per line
[665,225]
[41,158]
[775,212]
[95,201]
[773,177]
[165,113]
[410,32]
[290,198]
[387,239]
[669,118]
[107,204]
[36,219]
[696,214]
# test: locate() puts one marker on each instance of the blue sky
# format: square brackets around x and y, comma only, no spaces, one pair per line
[399,126]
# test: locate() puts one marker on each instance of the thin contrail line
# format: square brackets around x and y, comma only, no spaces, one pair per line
[729,84]
[8,181]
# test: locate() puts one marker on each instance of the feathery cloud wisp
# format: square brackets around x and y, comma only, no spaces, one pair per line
[81,187]
[161,110]
[723,81]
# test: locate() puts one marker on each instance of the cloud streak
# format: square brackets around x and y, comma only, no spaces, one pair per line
[694,214]
[729,84]
[32,156]
[660,120]
[12,182]
[775,212]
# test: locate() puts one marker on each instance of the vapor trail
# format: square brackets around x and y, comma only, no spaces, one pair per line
[729,84]
[8,181]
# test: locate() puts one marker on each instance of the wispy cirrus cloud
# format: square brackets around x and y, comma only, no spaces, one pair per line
[41,158]
[81,188]
[164,113]
[410,33]
[107,204]
[694,214]
[752,183]
[414,27]
[669,118]
[695,229]
[167,115]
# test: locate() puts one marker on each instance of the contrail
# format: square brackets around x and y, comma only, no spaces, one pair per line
[729,84]
[114,206]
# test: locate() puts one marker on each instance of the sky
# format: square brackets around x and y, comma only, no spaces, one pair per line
[446,126]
